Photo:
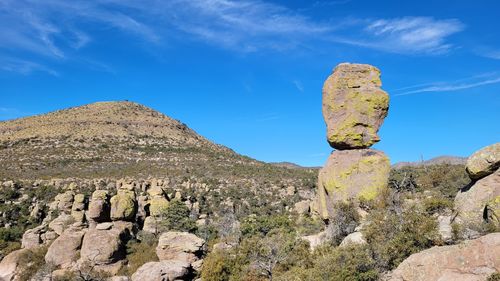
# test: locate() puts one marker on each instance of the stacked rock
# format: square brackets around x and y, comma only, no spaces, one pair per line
[478,204]
[354,107]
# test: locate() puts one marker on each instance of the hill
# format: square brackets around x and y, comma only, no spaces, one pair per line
[120,139]
[452,160]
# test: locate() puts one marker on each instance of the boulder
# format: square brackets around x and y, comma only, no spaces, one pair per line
[302,207]
[78,208]
[99,206]
[180,246]
[354,106]
[444,228]
[123,205]
[315,240]
[162,271]
[102,247]
[473,260]
[479,203]
[150,225]
[62,222]
[32,238]
[351,174]
[158,206]
[355,238]
[65,201]
[64,250]
[484,162]
[9,265]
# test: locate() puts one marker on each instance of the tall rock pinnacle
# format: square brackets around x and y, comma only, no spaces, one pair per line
[354,108]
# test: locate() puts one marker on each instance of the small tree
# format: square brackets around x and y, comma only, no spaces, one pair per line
[177,217]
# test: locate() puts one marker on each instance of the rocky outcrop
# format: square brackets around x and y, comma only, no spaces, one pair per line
[103,246]
[179,246]
[484,162]
[162,271]
[480,203]
[472,260]
[352,174]
[65,201]
[78,208]
[355,238]
[99,206]
[123,205]
[64,250]
[354,106]
[62,222]
[10,264]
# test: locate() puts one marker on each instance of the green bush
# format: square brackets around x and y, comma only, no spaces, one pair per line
[177,217]
[395,236]
[140,252]
[262,225]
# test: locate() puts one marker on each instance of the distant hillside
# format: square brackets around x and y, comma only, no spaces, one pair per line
[121,139]
[453,160]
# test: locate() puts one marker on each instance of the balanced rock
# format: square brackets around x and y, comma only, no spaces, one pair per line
[179,246]
[62,222]
[479,203]
[354,106]
[99,206]
[484,162]
[78,209]
[162,271]
[472,260]
[65,201]
[351,174]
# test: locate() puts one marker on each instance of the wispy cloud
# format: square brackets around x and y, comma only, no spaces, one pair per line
[57,29]
[24,67]
[462,84]
[298,85]
[413,34]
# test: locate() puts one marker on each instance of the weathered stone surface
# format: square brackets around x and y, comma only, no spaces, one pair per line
[102,246]
[65,201]
[480,202]
[32,238]
[78,208]
[150,225]
[123,205]
[355,238]
[351,174]
[472,260]
[354,106]
[9,265]
[158,206]
[484,162]
[302,207]
[62,222]
[99,206]
[444,228]
[181,246]
[64,250]
[162,271]
[315,240]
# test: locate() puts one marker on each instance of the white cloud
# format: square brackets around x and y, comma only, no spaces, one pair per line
[462,84]
[414,34]
[57,29]
[298,85]
[24,67]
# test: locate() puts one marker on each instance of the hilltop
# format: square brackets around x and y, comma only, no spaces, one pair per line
[119,139]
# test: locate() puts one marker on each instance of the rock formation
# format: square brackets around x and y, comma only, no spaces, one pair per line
[354,108]
[484,161]
[472,260]
[479,202]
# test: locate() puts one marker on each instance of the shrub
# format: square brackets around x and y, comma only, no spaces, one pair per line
[217,266]
[262,225]
[176,217]
[30,262]
[434,205]
[344,220]
[393,237]
[140,252]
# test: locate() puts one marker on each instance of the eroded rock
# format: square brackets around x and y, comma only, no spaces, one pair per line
[354,106]
[484,162]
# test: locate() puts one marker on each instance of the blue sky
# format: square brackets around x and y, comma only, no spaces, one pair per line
[248,74]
